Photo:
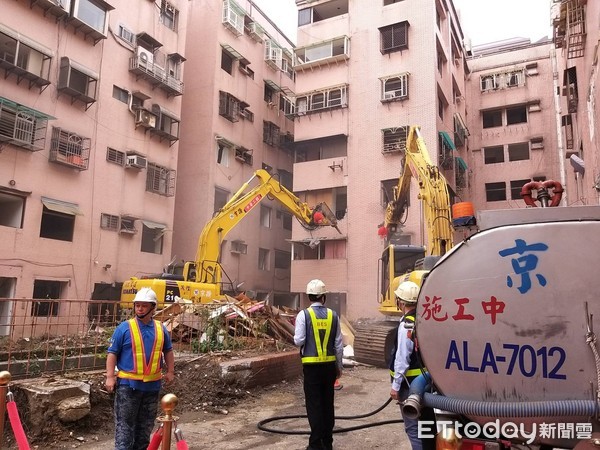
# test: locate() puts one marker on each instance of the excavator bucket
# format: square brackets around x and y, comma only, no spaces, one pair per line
[330,219]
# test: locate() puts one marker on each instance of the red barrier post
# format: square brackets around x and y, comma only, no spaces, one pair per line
[4,380]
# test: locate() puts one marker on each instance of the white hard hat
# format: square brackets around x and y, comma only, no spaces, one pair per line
[316,287]
[407,292]
[145,295]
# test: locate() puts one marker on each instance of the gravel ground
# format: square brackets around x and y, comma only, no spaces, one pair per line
[365,389]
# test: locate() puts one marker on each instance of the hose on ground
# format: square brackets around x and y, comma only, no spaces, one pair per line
[261,425]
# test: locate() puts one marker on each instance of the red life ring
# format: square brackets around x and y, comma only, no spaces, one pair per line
[542,187]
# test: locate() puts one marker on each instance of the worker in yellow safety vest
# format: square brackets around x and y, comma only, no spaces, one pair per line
[318,334]
[139,349]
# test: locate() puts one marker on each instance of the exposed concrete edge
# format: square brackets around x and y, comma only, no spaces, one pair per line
[262,370]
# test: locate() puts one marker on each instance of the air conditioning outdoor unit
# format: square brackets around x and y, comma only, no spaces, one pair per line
[136,161]
[145,56]
[145,118]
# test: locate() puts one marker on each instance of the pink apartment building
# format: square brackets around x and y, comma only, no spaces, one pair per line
[239,82]
[576,24]
[365,71]
[90,100]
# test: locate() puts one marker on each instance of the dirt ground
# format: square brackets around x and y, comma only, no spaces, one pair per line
[214,415]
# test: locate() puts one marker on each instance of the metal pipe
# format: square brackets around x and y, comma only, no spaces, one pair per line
[559,136]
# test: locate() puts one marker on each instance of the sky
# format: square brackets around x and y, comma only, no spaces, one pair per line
[483,21]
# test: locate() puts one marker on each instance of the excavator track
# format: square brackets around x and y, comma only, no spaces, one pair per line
[373,342]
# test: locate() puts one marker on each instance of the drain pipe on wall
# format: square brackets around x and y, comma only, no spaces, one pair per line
[559,132]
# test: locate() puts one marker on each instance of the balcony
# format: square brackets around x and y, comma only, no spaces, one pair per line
[69,149]
[144,66]
[323,53]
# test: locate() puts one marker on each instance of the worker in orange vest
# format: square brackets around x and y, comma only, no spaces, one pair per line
[139,349]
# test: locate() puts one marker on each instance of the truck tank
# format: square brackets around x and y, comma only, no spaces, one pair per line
[505,315]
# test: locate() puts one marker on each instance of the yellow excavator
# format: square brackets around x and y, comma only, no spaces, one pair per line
[201,280]
[373,341]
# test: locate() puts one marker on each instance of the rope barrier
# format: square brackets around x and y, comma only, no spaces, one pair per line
[156,439]
[15,423]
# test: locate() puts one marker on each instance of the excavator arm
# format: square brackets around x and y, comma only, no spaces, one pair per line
[433,193]
[207,267]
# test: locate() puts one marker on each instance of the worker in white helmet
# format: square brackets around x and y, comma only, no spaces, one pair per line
[405,363]
[139,348]
[319,335]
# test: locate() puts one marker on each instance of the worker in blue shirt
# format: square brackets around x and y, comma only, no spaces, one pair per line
[139,348]
[319,336]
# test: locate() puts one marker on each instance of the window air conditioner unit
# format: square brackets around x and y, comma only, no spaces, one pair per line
[145,56]
[391,94]
[145,118]
[136,161]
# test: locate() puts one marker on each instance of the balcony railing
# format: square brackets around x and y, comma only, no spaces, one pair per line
[156,75]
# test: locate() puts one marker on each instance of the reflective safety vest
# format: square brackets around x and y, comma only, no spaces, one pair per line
[414,367]
[142,370]
[319,346]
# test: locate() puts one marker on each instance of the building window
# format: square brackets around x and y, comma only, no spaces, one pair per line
[152,237]
[335,97]
[223,151]
[227,61]
[46,291]
[69,149]
[77,81]
[12,209]
[492,118]
[493,155]
[270,133]
[517,114]
[229,106]
[169,15]
[22,126]
[387,191]
[263,259]
[109,222]
[495,192]
[92,13]
[115,156]
[286,220]
[283,260]
[518,151]
[120,94]
[244,67]
[127,225]
[221,198]
[160,180]
[58,220]
[265,216]
[570,89]
[270,95]
[394,139]
[394,87]
[23,53]
[126,35]
[515,188]
[441,106]
[394,37]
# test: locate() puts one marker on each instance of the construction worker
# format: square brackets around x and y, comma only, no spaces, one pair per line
[137,349]
[318,334]
[405,364]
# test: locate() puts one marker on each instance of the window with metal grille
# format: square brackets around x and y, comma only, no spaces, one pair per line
[394,37]
[69,148]
[169,15]
[394,87]
[22,126]
[270,133]
[495,192]
[394,139]
[160,180]
[115,156]
[109,222]
[229,106]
